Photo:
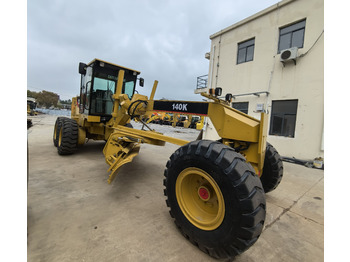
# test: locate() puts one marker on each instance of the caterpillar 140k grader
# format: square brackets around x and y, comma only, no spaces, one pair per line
[212,188]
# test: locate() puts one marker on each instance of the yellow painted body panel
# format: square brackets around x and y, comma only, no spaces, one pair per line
[74,107]
[81,136]
[96,119]
[232,124]
[154,88]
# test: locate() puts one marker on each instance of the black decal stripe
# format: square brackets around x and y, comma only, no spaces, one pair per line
[180,112]
[193,108]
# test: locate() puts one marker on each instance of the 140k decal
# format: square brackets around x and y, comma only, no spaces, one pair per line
[179,107]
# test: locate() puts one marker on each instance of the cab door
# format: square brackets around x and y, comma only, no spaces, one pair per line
[85,88]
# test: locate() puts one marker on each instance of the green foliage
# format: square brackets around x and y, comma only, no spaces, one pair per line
[44,98]
[66,102]
[32,94]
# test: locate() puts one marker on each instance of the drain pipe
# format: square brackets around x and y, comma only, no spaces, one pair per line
[316,163]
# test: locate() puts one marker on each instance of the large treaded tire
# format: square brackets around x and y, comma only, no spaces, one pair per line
[244,198]
[56,129]
[273,169]
[68,137]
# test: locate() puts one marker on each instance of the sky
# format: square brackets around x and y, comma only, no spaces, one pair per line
[165,40]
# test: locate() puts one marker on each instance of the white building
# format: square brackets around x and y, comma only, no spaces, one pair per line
[245,60]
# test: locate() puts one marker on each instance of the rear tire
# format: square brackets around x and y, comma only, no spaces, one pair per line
[56,129]
[67,137]
[273,169]
[215,197]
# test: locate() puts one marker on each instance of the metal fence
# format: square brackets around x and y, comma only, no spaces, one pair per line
[202,81]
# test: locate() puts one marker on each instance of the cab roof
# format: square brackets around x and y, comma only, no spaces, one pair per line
[96,59]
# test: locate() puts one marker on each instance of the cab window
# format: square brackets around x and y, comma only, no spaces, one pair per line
[101,96]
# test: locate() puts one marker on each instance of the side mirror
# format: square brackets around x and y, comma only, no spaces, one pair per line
[141,81]
[82,68]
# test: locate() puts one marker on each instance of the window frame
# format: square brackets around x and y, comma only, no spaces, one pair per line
[290,29]
[241,103]
[244,45]
[283,116]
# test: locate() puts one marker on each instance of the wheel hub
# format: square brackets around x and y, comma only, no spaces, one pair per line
[200,198]
[204,193]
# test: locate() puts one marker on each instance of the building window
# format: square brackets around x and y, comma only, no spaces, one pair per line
[241,106]
[245,51]
[283,118]
[292,36]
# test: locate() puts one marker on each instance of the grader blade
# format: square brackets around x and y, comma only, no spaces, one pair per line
[118,152]
[124,144]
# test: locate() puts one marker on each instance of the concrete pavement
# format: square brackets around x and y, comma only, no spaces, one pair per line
[74,215]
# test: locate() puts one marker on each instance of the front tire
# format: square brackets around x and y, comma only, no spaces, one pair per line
[68,137]
[215,197]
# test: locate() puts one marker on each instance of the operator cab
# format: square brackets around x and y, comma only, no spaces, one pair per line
[98,84]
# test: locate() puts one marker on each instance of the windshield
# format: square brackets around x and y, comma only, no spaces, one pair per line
[102,94]
[129,88]
[104,85]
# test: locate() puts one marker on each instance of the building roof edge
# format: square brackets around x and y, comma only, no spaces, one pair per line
[252,17]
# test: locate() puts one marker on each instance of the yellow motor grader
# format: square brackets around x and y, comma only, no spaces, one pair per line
[212,188]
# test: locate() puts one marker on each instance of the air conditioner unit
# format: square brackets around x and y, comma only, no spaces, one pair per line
[260,108]
[289,54]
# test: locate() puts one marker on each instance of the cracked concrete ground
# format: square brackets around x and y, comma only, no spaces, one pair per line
[74,215]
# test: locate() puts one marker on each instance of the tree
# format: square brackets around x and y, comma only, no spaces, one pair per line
[68,102]
[44,98]
[47,98]
[32,94]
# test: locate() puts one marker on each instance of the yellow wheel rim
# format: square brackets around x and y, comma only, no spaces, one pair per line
[200,198]
[55,132]
[60,137]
